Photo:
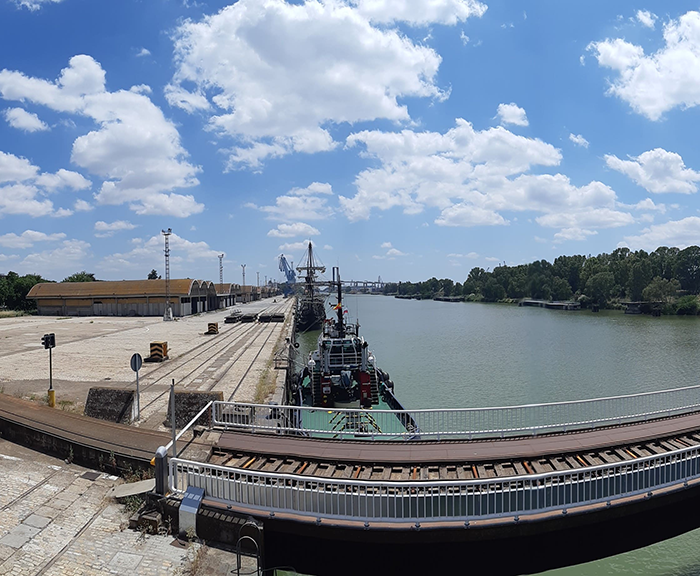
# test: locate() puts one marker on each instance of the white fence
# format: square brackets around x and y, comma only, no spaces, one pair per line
[465,423]
[420,501]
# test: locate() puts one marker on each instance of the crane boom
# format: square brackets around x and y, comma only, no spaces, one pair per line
[289,272]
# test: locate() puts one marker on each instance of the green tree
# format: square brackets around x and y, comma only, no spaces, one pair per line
[80,277]
[599,287]
[561,289]
[14,289]
[153,275]
[639,278]
[492,291]
[661,290]
[687,269]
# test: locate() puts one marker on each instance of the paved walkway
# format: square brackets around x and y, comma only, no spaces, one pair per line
[56,520]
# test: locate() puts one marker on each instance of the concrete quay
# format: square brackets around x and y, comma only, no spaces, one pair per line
[95,352]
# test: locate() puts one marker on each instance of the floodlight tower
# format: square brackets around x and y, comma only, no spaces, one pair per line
[168,315]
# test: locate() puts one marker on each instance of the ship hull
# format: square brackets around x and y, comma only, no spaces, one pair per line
[310,315]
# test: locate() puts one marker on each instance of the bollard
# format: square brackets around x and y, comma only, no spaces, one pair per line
[161,462]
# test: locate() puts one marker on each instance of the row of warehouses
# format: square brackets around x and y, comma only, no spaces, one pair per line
[139,297]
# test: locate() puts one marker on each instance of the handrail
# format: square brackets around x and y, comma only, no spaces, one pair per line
[419,500]
[190,424]
[431,424]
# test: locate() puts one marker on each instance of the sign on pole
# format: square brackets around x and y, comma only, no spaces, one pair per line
[136,363]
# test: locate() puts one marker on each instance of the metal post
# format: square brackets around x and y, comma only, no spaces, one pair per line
[161,463]
[172,416]
[51,393]
[138,398]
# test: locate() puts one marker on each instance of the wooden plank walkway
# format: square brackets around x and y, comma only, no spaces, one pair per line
[456,450]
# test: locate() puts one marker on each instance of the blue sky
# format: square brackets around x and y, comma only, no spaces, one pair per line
[405,138]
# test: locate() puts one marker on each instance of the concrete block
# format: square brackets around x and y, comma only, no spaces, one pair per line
[37,521]
[132,489]
[188,404]
[19,536]
[111,404]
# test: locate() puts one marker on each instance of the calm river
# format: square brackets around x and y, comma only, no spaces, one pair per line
[443,354]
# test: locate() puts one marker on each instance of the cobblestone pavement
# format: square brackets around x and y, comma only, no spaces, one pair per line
[55,520]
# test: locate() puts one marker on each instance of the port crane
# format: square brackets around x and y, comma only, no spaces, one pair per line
[289,273]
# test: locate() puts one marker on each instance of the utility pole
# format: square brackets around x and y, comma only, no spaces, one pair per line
[243,266]
[168,315]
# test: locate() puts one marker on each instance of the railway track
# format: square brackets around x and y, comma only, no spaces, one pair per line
[200,355]
[330,469]
[206,367]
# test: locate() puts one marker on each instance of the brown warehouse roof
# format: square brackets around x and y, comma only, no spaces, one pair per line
[115,288]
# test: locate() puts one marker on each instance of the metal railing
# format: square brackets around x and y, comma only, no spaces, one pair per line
[464,423]
[420,501]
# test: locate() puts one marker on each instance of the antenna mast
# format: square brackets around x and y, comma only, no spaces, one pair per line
[221,272]
[168,314]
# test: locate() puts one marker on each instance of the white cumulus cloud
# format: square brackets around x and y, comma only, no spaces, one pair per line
[646,18]
[298,204]
[135,149]
[69,256]
[63,179]
[28,238]
[680,233]
[512,114]
[22,120]
[420,12]
[657,171]
[578,140]
[278,74]
[473,178]
[105,229]
[296,246]
[658,82]
[148,254]
[292,230]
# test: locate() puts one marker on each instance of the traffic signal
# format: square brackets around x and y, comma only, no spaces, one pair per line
[49,340]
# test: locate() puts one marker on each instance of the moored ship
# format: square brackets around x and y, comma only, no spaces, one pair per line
[310,312]
[341,374]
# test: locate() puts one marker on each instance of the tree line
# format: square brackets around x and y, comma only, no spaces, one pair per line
[667,277]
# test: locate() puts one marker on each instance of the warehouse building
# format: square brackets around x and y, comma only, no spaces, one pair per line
[226,293]
[124,298]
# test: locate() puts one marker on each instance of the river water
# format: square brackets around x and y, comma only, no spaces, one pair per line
[444,354]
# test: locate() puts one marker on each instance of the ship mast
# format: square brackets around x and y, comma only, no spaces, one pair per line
[341,324]
[309,267]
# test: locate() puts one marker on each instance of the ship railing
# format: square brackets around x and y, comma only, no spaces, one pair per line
[462,423]
[447,500]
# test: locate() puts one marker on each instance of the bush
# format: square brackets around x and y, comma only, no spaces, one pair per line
[687,306]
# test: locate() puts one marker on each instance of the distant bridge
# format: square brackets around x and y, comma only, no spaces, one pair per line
[365,285]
